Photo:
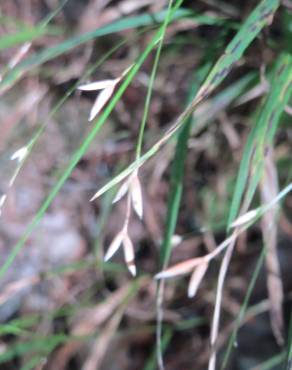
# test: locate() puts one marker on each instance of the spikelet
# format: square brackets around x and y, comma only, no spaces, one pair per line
[20,154]
[196,279]
[245,218]
[136,195]
[114,246]
[129,254]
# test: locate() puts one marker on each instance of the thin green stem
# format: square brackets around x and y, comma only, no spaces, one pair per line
[151,83]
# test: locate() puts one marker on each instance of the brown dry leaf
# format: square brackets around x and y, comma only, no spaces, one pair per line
[88,320]
[102,342]
[14,287]
[268,191]
[85,323]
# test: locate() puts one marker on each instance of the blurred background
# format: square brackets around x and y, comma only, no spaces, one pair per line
[61,306]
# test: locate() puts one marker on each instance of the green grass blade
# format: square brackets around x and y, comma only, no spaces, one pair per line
[28,33]
[24,35]
[53,13]
[151,363]
[257,19]
[32,363]
[125,23]
[177,174]
[262,133]
[176,184]
[151,83]
[272,363]
[288,359]
[40,344]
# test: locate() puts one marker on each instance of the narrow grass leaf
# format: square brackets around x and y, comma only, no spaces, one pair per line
[259,18]
[262,134]
[50,53]
[22,36]
[253,25]
[177,174]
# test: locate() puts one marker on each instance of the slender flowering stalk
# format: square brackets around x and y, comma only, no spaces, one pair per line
[123,239]
[131,186]
[199,265]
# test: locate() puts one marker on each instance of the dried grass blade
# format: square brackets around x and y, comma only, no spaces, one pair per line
[219,294]
[269,190]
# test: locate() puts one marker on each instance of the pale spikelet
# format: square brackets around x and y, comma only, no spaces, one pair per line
[129,254]
[196,279]
[179,269]
[2,201]
[176,240]
[100,102]
[20,154]
[98,85]
[244,219]
[114,246]
[107,87]
[19,55]
[136,195]
[121,192]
